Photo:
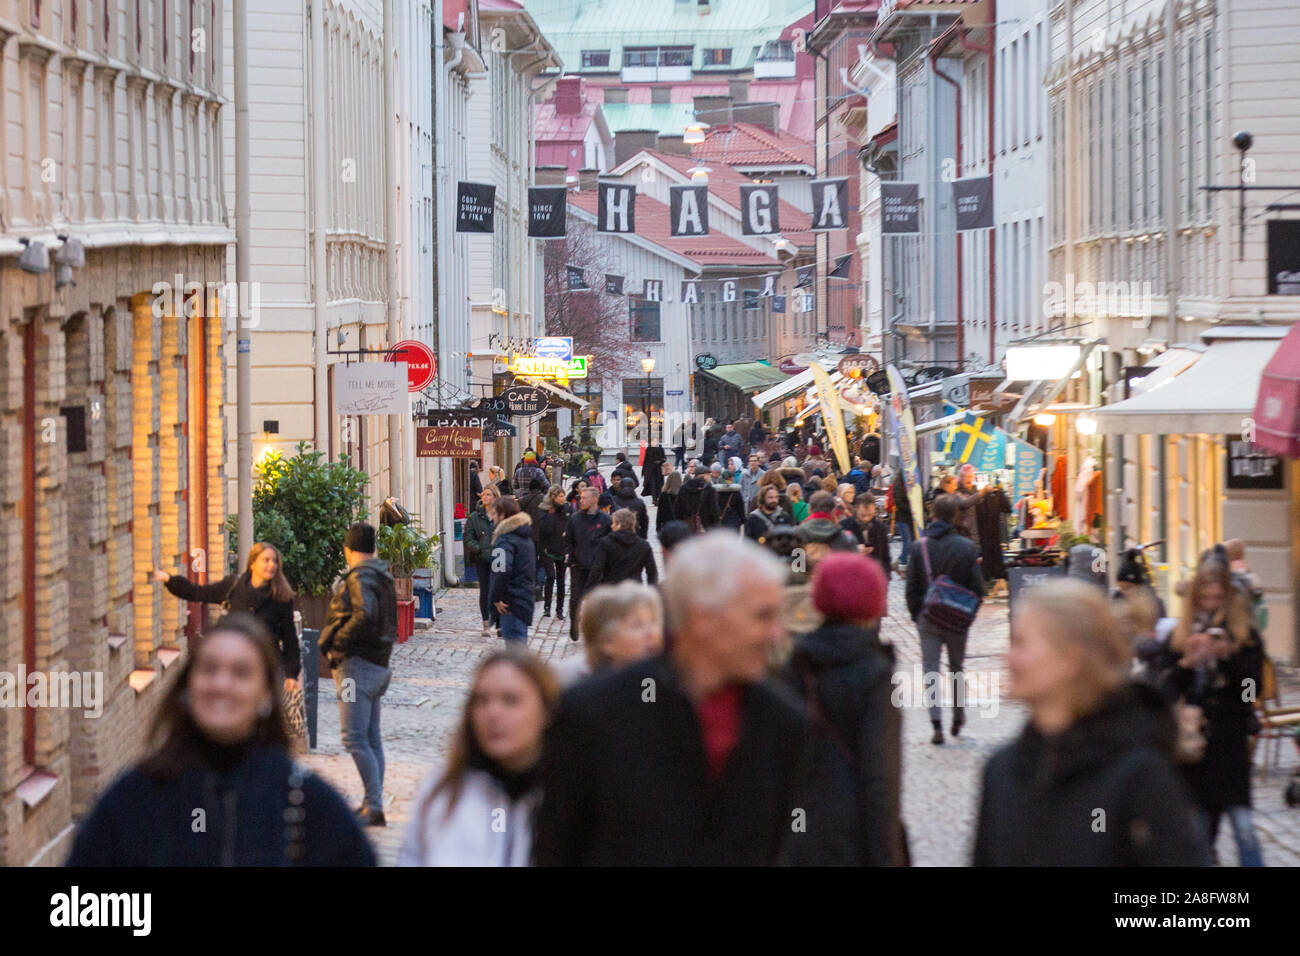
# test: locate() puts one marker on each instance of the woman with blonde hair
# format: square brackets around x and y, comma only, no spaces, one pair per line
[478,550]
[1091,779]
[1214,660]
[491,770]
[620,623]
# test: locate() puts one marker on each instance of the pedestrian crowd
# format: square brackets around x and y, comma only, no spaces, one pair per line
[734,707]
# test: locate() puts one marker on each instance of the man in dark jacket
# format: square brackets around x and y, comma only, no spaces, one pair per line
[528,470]
[585,529]
[697,502]
[944,551]
[357,639]
[622,555]
[622,469]
[624,496]
[767,514]
[514,569]
[531,501]
[869,532]
[682,759]
[652,473]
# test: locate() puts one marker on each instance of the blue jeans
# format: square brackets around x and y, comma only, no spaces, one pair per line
[513,628]
[904,529]
[1243,831]
[359,722]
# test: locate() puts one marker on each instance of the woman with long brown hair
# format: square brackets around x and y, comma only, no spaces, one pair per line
[1214,660]
[478,809]
[552,546]
[219,788]
[262,591]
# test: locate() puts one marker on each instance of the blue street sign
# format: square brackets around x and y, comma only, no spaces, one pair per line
[554,347]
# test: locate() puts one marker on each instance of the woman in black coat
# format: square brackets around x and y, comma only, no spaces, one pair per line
[1213,656]
[262,591]
[1091,780]
[845,674]
[667,503]
[223,759]
[552,522]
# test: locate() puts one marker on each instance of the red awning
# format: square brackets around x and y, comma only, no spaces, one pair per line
[1277,410]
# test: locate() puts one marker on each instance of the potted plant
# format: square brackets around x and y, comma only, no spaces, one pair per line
[303,504]
[407,549]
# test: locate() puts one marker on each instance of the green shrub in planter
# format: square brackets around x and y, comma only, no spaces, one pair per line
[406,548]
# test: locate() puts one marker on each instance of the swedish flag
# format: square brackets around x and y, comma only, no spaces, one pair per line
[969,438]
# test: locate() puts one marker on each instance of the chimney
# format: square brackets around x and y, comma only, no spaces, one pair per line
[629,142]
[766,115]
[674,144]
[568,96]
[739,90]
[587,180]
[549,175]
[714,110]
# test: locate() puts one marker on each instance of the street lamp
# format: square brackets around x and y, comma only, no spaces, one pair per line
[647,366]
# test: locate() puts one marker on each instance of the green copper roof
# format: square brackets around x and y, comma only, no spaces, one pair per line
[742,26]
[668,119]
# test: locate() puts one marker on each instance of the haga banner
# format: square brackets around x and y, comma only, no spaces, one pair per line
[841,268]
[616,210]
[688,208]
[690,292]
[900,209]
[778,304]
[475,207]
[577,281]
[804,276]
[830,204]
[547,206]
[759,211]
[973,197]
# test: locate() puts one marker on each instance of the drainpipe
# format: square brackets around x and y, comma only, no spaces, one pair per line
[446,505]
[961,329]
[391,210]
[319,203]
[1169,177]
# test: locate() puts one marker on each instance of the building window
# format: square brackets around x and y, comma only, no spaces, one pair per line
[777,50]
[676,56]
[640,56]
[661,94]
[589,390]
[645,318]
[595,59]
[641,395]
[717,57]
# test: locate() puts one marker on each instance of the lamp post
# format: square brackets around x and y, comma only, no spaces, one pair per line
[647,366]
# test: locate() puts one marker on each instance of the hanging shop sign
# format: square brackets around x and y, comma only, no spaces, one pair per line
[370,388]
[705,362]
[830,204]
[492,404]
[547,208]
[1250,466]
[460,418]
[534,366]
[525,400]
[500,428]
[878,382]
[554,347]
[858,366]
[434,442]
[475,207]
[900,209]
[973,198]
[421,363]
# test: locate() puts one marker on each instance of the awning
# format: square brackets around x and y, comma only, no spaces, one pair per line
[1212,397]
[784,391]
[555,395]
[1277,410]
[1168,364]
[747,376]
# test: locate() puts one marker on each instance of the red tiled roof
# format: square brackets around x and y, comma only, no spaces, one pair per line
[548,127]
[746,144]
[653,224]
[725,183]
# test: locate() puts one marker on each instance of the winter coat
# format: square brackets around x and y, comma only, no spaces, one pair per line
[362,617]
[552,523]
[860,480]
[514,566]
[478,536]
[622,555]
[731,505]
[622,470]
[666,506]
[875,536]
[950,553]
[698,497]
[524,475]
[902,506]
[627,498]
[235,592]
[966,519]
[584,531]
[626,784]
[749,484]
[1043,796]
[1221,778]
[851,677]
[815,463]
[759,524]
[475,834]
[730,445]
[243,791]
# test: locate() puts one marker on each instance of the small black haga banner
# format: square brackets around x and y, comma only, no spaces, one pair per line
[616,207]
[804,276]
[475,207]
[841,268]
[613,284]
[577,281]
[546,211]
[830,204]
[769,287]
[778,304]
[689,210]
[751,300]
[759,211]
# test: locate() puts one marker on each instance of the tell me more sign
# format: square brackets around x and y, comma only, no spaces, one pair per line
[453,442]
[371,388]
[1249,466]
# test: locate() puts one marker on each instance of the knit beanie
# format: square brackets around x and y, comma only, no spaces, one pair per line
[849,587]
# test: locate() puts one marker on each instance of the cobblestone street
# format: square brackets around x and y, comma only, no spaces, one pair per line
[432,671]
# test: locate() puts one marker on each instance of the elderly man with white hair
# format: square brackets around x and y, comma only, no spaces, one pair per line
[687,758]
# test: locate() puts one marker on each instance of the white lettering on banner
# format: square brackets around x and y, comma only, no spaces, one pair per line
[653,290]
[690,293]
[760,210]
[769,286]
[618,203]
[729,290]
[830,213]
[689,222]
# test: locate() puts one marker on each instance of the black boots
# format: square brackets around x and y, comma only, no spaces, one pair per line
[938,732]
[958,721]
